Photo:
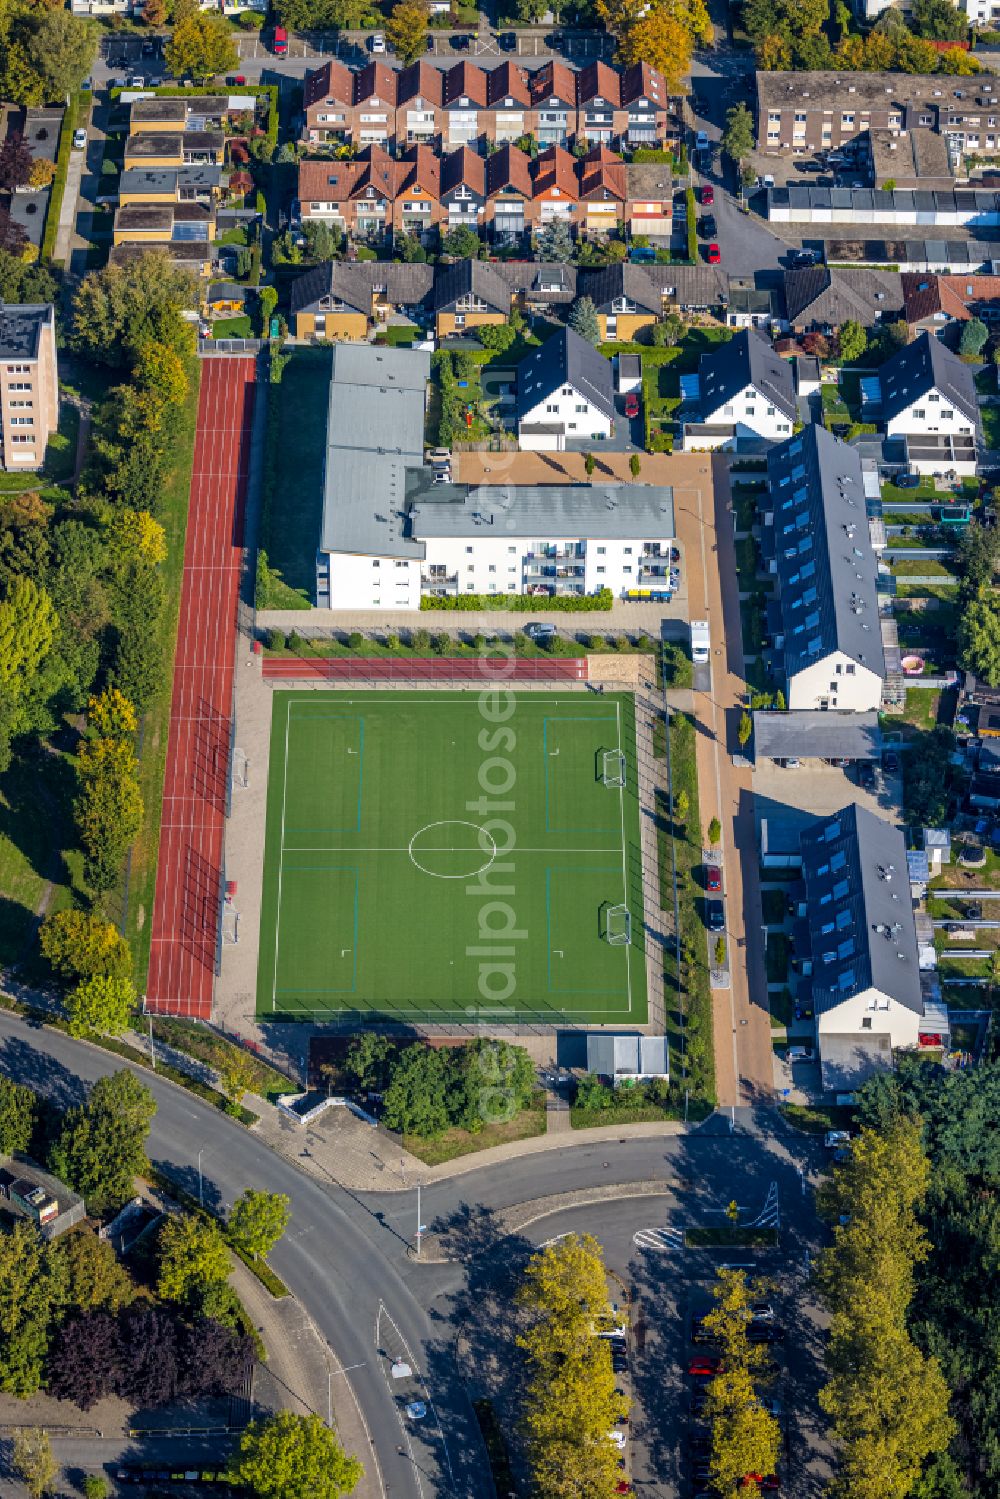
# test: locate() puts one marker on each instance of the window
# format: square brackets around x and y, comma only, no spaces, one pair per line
[582,409]
[511,550]
[920,413]
[468,551]
[946,416]
[627,551]
[602,569]
[491,568]
[552,408]
[376,563]
[852,670]
[601,551]
[627,570]
[866,1022]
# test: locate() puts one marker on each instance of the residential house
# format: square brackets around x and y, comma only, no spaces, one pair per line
[29,384]
[463,191]
[820,300]
[195,256]
[646,103]
[509,113]
[917,158]
[565,391]
[555,190]
[419,100]
[553,100]
[469,294]
[153,149]
[625,299]
[158,224]
[752,306]
[862,964]
[375,93]
[745,392]
[328,104]
[649,204]
[509,195]
[926,395]
[463,109]
[199,184]
[416,205]
[600,118]
[816,543]
[813,111]
[931,302]
[357,196]
[603,192]
[340,300]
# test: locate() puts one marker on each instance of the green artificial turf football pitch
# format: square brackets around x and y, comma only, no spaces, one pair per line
[452,857]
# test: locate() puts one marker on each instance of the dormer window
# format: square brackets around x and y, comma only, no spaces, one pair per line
[508,103]
[463,101]
[553,101]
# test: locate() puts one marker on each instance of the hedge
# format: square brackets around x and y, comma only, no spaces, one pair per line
[692,225]
[58,188]
[523,603]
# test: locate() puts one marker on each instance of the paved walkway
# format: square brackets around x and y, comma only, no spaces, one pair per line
[67,208]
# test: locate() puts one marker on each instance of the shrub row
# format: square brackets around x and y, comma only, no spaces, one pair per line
[59,180]
[521,603]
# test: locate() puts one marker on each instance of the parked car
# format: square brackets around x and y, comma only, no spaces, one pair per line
[280,43]
[79,139]
[802,258]
[707,227]
[713,877]
[632,404]
[835,1138]
[866,775]
[714,255]
[378,43]
[508,41]
[537,630]
[137,81]
[715,916]
[416,1410]
[890,762]
[704,1365]
[761,1311]
[800,1054]
[707,196]
[701,140]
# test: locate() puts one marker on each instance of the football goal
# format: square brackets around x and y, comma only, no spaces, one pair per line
[613,768]
[619,928]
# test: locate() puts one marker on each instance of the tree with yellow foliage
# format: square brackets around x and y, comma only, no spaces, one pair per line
[745,1437]
[142,536]
[111,715]
[663,34]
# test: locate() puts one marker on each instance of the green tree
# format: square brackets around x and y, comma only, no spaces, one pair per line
[977,553]
[89,1273]
[583,320]
[61,48]
[201,46]
[257,1221]
[463,243]
[94,1486]
[267,301]
[496,336]
[119,309]
[589,464]
[193,1259]
[414,1100]
[974,334]
[682,806]
[714,833]
[18,1113]
[738,137]
[554,243]
[101,1004]
[406,30]
[979,639]
[368,1061]
[20,282]
[635,465]
[237,1073]
[939,21]
[33,1460]
[286,1456]
[669,331]
[745,729]
[101,1147]
[108,809]
[28,625]
[853,339]
[29,1293]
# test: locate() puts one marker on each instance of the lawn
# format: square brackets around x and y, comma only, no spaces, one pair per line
[379,813]
[172,514]
[778,952]
[990,416]
[293,491]
[36,837]
[458,1142]
[233,327]
[921,709]
[920,567]
[399,335]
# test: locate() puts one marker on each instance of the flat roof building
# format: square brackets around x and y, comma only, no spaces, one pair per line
[29,384]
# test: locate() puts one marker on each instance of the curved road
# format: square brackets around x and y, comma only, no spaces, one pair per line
[347,1256]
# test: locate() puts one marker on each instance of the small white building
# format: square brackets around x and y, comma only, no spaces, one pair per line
[565,391]
[927,391]
[745,390]
[627,1058]
[816,542]
[863,967]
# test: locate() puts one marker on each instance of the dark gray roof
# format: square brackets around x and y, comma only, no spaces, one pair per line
[352,283]
[816,736]
[168,179]
[542,280]
[470,278]
[822,549]
[921,366]
[21,328]
[859,911]
[690,285]
[835,296]
[627,511]
[611,282]
[747,359]
[565,359]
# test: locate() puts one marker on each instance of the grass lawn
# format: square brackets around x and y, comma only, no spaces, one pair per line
[458,1142]
[372,814]
[813,1119]
[236,236]
[943,591]
[233,327]
[920,567]
[921,708]
[37,843]
[172,514]
[775,905]
[60,456]
[401,335]
[293,492]
[953,965]
[894,498]
[990,416]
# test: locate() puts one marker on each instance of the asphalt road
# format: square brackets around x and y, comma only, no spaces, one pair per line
[348,1257]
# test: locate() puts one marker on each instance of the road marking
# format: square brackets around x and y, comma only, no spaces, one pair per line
[659,1239]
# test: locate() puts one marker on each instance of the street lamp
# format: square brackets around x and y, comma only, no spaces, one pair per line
[201,1194]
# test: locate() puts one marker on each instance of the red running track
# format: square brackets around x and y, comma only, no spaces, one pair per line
[189,871]
[416,669]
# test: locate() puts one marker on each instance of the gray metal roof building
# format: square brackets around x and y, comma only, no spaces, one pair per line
[816,531]
[595,511]
[858,910]
[816,735]
[627,1056]
[747,359]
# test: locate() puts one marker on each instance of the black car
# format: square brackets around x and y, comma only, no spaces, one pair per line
[803,258]
[707,227]
[890,762]
[508,41]
[866,775]
[715,916]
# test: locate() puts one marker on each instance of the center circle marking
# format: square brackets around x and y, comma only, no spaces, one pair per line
[487,846]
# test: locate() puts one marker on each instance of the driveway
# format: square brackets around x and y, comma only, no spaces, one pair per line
[627,436]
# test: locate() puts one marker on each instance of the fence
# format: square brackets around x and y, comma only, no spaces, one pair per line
[414,670]
[207,347]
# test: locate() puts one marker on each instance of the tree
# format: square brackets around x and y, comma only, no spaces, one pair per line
[977,553]
[664,35]
[60,48]
[554,242]
[369,1062]
[668,332]
[463,243]
[92,1277]
[201,45]
[929,777]
[26,283]
[853,339]
[213,1359]
[974,334]
[720,952]
[714,833]
[150,1367]
[33,1460]
[286,1456]
[267,301]
[18,1112]
[42,173]
[108,810]
[745,1438]
[119,309]
[682,806]
[406,30]
[101,1147]
[496,336]
[94,1486]
[257,1222]
[28,625]
[154,13]
[635,465]
[15,163]
[745,729]
[102,1004]
[237,1073]
[414,1100]
[29,1291]
[589,464]
[583,320]
[738,136]
[939,21]
[979,639]
[193,1259]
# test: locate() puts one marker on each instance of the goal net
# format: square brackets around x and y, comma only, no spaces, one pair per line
[619,930]
[613,768]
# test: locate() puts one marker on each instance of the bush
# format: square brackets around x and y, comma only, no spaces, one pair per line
[274,639]
[355,640]
[588,603]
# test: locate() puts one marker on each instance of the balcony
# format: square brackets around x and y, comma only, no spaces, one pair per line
[438,580]
[556,554]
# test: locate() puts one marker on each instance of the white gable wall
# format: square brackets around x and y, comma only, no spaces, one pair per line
[931,412]
[836,682]
[870,1013]
[755,411]
[565,405]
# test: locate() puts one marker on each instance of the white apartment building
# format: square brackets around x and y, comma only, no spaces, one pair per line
[29,384]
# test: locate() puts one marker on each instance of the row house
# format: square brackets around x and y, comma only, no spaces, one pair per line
[466,105]
[508,193]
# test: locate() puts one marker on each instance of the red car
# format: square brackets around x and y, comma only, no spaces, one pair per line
[280,43]
[704,1365]
[713,877]
[707,196]
[632,404]
[714,255]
